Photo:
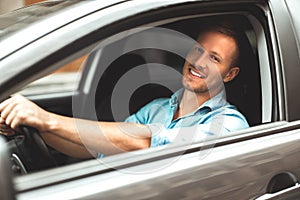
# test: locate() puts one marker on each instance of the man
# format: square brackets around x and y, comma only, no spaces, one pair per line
[201,104]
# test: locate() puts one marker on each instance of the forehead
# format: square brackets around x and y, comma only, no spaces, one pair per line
[217,42]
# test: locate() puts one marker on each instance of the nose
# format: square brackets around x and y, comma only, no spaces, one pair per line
[199,60]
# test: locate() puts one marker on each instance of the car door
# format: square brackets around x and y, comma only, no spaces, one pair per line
[245,165]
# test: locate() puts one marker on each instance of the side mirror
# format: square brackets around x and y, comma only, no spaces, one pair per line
[6,184]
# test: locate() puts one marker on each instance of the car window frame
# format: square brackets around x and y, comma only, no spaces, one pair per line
[285,64]
[270,109]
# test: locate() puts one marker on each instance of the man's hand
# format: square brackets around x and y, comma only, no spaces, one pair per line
[4,129]
[17,111]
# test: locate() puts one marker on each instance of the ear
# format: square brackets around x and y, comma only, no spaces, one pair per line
[232,73]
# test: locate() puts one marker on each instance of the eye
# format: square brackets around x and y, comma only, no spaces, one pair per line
[215,58]
[199,49]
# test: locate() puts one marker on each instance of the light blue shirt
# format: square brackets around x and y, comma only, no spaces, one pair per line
[214,117]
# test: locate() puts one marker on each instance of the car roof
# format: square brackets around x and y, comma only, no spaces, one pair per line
[27,24]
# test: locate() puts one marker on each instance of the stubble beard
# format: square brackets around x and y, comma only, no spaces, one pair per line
[201,89]
[197,90]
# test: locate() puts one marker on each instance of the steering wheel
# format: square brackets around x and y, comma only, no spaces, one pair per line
[29,151]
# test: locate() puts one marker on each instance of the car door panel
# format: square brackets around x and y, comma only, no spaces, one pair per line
[240,170]
[241,174]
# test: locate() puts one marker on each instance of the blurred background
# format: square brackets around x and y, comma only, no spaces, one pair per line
[64,79]
[8,5]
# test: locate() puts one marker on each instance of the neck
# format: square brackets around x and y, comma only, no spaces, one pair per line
[190,102]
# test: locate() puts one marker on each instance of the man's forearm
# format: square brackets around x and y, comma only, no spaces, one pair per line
[74,134]
[67,147]
[102,137]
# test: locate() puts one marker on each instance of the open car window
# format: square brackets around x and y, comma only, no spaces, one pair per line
[149,60]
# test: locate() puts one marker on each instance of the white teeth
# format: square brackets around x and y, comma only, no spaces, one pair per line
[196,74]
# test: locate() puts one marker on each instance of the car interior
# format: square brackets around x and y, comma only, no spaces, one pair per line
[244,92]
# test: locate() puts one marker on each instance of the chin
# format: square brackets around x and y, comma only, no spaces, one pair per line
[195,89]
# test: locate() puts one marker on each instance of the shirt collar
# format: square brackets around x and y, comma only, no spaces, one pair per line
[175,98]
[214,103]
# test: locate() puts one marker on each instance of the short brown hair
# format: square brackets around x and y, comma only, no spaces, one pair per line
[229,26]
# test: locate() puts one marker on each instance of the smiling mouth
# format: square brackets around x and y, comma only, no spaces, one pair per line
[196,73]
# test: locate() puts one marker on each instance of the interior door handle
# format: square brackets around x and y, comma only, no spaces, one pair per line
[293,191]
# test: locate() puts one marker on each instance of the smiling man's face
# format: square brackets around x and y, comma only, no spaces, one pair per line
[208,64]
